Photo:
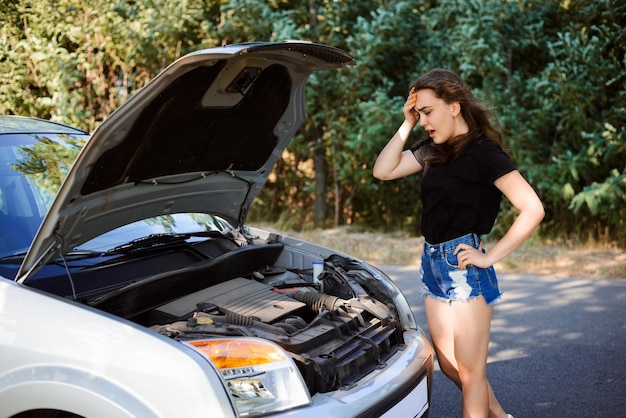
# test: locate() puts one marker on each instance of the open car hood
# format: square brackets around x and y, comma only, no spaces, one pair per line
[202,136]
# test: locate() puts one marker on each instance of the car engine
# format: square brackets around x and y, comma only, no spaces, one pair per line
[336,332]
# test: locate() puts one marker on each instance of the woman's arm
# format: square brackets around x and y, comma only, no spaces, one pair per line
[393,161]
[524,198]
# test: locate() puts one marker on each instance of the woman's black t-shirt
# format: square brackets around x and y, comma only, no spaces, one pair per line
[459,197]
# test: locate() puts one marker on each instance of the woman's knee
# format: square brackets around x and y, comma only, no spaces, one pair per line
[471,375]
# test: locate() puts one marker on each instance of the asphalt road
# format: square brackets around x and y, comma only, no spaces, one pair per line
[558,347]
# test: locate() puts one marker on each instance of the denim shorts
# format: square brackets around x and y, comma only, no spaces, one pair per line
[442,279]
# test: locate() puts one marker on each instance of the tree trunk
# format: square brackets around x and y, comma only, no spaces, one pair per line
[319,165]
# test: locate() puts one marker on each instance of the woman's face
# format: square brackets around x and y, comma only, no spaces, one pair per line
[441,120]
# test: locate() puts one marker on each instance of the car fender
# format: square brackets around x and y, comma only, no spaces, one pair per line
[51,387]
[56,353]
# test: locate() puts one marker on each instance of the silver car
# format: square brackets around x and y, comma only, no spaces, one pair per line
[131,287]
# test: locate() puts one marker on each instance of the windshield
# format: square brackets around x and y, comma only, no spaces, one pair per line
[180,223]
[32,168]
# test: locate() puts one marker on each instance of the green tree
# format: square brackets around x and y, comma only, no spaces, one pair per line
[554,72]
[578,123]
[75,62]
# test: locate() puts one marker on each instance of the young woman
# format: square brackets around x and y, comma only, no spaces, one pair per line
[465,171]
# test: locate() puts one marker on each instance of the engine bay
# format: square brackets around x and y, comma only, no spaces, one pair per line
[337,327]
[336,332]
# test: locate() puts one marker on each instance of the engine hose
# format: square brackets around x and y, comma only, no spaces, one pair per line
[243,321]
[318,301]
[236,319]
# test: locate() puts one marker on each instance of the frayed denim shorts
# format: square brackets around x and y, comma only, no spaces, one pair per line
[442,279]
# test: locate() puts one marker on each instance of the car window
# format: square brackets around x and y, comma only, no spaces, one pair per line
[32,168]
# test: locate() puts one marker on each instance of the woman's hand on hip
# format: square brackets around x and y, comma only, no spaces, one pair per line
[470,256]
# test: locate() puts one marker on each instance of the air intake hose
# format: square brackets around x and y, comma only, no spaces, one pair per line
[318,301]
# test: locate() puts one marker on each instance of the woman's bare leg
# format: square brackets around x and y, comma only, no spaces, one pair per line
[460,333]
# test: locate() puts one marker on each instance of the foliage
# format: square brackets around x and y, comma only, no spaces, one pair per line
[553,71]
[579,101]
[75,61]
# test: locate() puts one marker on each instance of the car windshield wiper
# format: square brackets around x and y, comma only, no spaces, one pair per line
[159,240]
[79,254]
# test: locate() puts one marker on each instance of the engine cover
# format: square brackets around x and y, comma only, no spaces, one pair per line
[239,296]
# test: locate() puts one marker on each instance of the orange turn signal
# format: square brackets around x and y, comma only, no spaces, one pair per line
[228,354]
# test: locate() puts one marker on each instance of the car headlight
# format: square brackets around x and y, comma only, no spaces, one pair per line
[259,375]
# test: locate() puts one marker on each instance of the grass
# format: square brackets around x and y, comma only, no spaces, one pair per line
[534,257]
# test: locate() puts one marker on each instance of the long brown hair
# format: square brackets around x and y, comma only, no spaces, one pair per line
[481,122]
